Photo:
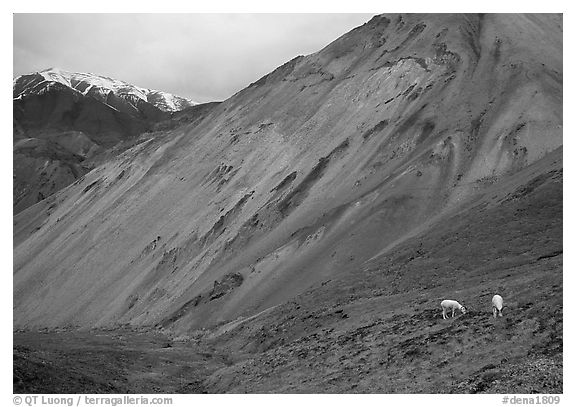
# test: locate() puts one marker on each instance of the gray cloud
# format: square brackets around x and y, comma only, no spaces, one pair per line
[201,56]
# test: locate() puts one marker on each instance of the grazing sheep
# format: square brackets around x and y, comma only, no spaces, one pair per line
[451,305]
[497,303]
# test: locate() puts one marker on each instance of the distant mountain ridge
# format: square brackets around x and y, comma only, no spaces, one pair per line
[65,122]
[98,87]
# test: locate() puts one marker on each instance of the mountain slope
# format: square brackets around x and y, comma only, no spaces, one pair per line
[377,329]
[330,161]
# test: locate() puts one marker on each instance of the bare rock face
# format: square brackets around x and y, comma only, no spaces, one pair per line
[329,161]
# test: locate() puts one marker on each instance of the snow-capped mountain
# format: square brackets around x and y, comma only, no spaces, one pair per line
[65,122]
[98,87]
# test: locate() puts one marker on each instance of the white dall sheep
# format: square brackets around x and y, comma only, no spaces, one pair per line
[497,304]
[451,305]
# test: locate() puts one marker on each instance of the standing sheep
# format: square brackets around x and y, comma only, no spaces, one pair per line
[497,304]
[451,305]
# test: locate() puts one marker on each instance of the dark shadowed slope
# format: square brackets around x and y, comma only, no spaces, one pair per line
[332,160]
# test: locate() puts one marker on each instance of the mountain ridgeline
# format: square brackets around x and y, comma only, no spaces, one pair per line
[310,175]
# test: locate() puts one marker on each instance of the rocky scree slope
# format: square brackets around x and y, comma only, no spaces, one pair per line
[331,160]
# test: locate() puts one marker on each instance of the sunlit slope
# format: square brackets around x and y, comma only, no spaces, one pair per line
[311,171]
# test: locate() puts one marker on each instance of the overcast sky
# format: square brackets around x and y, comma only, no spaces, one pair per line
[200,56]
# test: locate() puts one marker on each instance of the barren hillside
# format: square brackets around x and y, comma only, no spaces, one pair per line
[417,157]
